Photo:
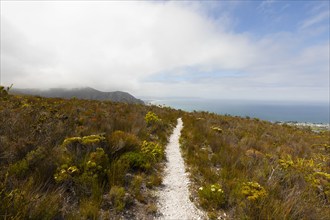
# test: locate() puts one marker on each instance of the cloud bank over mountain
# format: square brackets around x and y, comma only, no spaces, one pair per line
[169,48]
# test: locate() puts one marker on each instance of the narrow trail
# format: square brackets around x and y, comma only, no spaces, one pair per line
[174,200]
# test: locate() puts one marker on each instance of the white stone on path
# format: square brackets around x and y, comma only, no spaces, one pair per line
[174,202]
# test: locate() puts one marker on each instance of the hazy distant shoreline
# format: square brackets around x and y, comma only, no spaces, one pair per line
[280,112]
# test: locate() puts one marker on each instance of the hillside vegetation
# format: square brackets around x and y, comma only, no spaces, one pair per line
[79,159]
[83,159]
[252,169]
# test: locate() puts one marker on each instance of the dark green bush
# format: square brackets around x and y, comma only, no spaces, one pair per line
[135,161]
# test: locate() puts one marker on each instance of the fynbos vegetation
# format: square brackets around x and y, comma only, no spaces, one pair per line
[252,169]
[81,159]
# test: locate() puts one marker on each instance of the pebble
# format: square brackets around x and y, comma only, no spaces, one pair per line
[174,202]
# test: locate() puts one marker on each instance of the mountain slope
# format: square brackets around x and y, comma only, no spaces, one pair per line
[82,93]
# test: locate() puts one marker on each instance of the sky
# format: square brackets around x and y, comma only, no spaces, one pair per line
[249,50]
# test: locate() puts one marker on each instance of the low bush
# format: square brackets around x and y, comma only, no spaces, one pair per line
[151,118]
[211,196]
[135,161]
[121,142]
[253,191]
[152,150]
[117,196]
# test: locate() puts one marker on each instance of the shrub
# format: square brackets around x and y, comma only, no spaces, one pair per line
[89,209]
[152,150]
[285,163]
[135,161]
[321,182]
[122,142]
[136,185]
[151,118]
[71,140]
[92,139]
[117,196]
[28,163]
[253,191]
[97,164]
[65,173]
[4,92]
[211,196]
[75,149]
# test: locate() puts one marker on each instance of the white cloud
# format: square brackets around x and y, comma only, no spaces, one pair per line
[118,41]
[315,19]
[120,45]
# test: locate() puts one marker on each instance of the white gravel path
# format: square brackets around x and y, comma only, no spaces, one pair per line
[174,200]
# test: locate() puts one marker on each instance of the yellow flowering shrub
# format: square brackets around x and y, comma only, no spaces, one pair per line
[151,118]
[97,163]
[285,163]
[65,173]
[92,139]
[253,191]
[86,140]
[152,150]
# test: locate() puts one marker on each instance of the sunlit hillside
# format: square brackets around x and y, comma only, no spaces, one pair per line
[82,159]
[253,169]
[79,159]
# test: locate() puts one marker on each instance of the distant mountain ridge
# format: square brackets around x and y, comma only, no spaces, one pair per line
[81,93]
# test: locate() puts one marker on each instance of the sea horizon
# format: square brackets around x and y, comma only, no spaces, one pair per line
[274,111]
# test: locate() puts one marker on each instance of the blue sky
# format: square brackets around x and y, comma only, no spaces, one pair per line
[265,50]
[266,17]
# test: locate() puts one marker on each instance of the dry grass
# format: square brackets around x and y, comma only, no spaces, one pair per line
[266,171]
[61,158]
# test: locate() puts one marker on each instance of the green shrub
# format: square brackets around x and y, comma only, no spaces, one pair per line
[92,139]
[86,140]
[26,202]
[136,187]
[286,162]
[89,209]
[28,163]
[65,173]
[211,196]
[117,196]
[97,164]
[71,140]
[151,118]
[75,149]
[152,150]
[321,182]
[154,180]
[253,191]
[135,161]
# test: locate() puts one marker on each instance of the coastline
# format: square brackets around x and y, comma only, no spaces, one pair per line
[196,106]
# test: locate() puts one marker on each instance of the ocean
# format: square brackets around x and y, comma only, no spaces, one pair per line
[271,111]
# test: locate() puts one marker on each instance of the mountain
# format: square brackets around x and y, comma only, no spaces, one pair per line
[81,93]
